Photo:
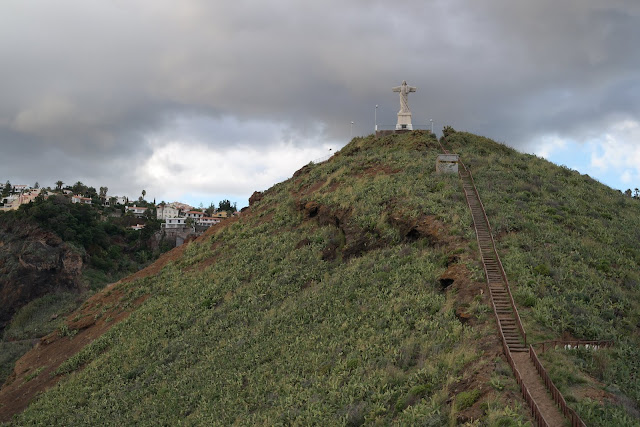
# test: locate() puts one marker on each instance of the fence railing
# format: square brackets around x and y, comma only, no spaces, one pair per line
[414,126]
[322,159]
[595,344]
[573,417]
[535,410]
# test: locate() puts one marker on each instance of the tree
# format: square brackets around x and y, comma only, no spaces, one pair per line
[211,209]
[636,194]
[36,185]
[628,192]
[103,192]
[59,185]
[144,193]
[7,189]
[79,188]
[225,205]
[448,130]
[190,222]
[91,192]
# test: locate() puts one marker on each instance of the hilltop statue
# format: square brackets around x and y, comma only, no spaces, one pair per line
[404,115]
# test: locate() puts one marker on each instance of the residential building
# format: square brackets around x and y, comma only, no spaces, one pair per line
[164,211]
[19,188]
[81,199]
[221,214]
[208,221]
[137,210]
[175,222]
[194,214]
[10,203]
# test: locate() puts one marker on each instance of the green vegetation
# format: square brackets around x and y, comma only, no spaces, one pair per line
[467,398]
[570,247]
[323,304]
[41,316]
[9,353]
[34,374]
[108,244]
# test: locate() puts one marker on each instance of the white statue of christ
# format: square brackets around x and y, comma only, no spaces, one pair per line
[404,115]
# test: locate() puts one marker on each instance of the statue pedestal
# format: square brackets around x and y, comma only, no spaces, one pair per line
[404,121]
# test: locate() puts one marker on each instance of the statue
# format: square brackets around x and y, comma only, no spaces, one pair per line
[404,115]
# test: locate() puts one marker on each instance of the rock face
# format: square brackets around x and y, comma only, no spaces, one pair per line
[33,263]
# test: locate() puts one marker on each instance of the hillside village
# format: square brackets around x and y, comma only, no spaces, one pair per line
[175,216]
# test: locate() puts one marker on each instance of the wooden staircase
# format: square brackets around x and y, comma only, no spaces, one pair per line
[505,310]
[514,339]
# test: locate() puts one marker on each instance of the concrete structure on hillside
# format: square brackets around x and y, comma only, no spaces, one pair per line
[404,115]
[447,163]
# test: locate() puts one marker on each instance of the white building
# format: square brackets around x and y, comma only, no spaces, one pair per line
[137,210]
[10,203]
[194,214]
[80,199]
[115,200]
[164,211]
[208,221]
[175,222]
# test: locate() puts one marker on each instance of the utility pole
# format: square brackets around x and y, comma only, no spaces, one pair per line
[375,118]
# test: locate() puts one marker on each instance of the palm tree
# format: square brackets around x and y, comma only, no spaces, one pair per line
[59,185]
[144,193]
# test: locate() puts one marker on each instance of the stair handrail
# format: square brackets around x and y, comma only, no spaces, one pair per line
[568,412]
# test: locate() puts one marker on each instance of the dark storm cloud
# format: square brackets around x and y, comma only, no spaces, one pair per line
[88,83]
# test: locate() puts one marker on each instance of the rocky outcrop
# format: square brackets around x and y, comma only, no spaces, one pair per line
[33,263]
[255,197]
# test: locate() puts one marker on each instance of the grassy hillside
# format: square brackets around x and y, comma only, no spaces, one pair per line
[571,249]
[352,294]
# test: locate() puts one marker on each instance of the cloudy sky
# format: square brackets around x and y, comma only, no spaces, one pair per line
[199,100]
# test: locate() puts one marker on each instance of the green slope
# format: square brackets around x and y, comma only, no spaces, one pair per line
[324,304]
[571,249]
